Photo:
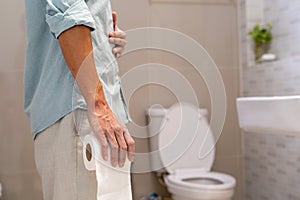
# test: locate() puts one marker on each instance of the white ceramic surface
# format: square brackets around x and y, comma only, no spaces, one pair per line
[278,114]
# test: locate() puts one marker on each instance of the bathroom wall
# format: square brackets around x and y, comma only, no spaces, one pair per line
[213,25]
[272,161]
[17,170]
[280,77]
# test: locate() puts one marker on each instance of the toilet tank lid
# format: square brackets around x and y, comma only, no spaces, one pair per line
[185,139]
[157,110]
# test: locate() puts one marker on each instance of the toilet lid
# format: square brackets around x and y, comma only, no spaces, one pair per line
[185,139]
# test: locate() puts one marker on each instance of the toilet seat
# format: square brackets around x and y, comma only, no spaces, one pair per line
[197,192]
[197,179]
[182,189]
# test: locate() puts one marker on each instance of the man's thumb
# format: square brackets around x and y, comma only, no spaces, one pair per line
[114,16]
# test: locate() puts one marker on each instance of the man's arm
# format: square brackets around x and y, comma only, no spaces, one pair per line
[76,45]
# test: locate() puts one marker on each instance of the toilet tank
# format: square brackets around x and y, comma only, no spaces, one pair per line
[156,118]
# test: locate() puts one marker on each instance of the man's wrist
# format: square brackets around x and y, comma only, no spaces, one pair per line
[97,99]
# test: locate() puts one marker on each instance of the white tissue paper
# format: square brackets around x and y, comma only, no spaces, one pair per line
[113,183]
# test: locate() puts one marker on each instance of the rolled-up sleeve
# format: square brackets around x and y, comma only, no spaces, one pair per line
[64,14]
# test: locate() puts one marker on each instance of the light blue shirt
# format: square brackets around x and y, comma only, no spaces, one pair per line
[51,91]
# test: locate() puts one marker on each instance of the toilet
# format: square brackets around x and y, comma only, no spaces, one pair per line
[185,145]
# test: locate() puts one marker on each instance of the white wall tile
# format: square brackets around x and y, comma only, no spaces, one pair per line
[272,162]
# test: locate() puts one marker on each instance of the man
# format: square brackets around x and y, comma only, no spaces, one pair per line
[70,44]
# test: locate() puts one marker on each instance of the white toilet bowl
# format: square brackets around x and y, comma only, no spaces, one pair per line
[190,176]
[193,184]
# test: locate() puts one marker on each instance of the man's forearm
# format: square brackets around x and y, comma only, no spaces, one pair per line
[76,45]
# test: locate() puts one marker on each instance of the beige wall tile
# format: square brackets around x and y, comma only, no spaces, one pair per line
[16,142]
[132,14]
[17,167]
[21,185]
[12,35]
[214,27]
[229,143]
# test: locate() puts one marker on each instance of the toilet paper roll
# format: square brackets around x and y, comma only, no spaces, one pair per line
[91,152]
[113,183]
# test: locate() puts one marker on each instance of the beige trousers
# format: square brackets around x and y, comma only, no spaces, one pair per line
[59,160]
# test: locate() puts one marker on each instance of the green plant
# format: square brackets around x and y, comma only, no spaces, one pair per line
[262,37]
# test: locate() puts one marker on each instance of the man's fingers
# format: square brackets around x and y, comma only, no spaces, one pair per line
[114,148]
[130,145]
[122,157]
[118,34]
[94,123]
[117,41]
[114,151]
[117,37]
[104,145]
[122,146]
[114,16]
[117,50]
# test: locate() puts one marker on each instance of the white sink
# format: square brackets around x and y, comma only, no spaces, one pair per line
[270,114]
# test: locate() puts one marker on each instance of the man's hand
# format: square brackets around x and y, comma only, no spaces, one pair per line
[110,131]
[117,37]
